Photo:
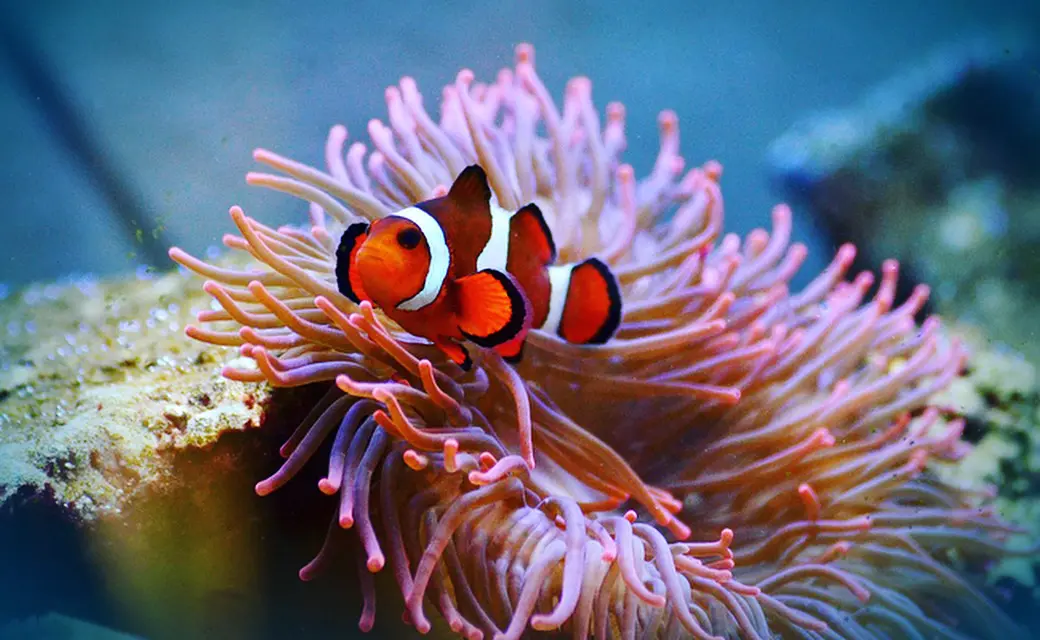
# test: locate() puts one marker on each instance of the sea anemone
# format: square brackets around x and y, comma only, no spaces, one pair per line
[739,461]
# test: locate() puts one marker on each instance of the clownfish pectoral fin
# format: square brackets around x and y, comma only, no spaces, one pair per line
[348,281]
[470,189]
[528,229]
[592,311]
[456,352]
[512,351]
[492,308]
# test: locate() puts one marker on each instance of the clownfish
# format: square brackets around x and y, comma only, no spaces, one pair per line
[461,268]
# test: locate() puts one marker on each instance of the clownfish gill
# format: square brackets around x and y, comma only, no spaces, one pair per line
[460,268]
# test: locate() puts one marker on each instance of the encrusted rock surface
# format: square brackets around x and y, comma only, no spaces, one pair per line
[98,386]
[127,466]
[999,397]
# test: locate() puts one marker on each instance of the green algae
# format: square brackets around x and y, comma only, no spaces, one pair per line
[99,386]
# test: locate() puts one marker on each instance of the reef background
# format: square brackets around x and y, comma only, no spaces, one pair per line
[169,101]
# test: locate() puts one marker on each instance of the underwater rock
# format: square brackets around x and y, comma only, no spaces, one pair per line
[112,493]
[999,397]
[127,465]
[98,387]
[110,505]
[938,167]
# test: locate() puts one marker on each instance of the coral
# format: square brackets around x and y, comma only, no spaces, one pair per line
[1000,401]
[782,441]
[98,388]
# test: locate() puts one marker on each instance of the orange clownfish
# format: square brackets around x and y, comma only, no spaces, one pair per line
[459,267]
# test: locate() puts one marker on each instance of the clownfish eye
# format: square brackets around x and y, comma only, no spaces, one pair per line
[409,238]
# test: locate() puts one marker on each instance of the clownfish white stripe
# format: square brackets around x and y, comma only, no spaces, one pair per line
[559,284]
[495,253]
[440,257]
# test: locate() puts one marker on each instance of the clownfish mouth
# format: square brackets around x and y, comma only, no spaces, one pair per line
[379,257]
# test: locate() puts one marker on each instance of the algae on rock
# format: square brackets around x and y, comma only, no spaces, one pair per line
[98,383]
[1000,400]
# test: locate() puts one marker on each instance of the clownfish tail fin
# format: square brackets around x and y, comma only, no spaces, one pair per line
[347,279]
[528,228]
[591,310]
[471,188]
[492,308]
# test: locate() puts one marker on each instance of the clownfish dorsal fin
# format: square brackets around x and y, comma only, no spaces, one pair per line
[348,281]
[529,230]
[492,308]
[470,189]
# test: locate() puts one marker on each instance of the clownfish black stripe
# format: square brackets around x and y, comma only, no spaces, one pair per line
[347,243]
